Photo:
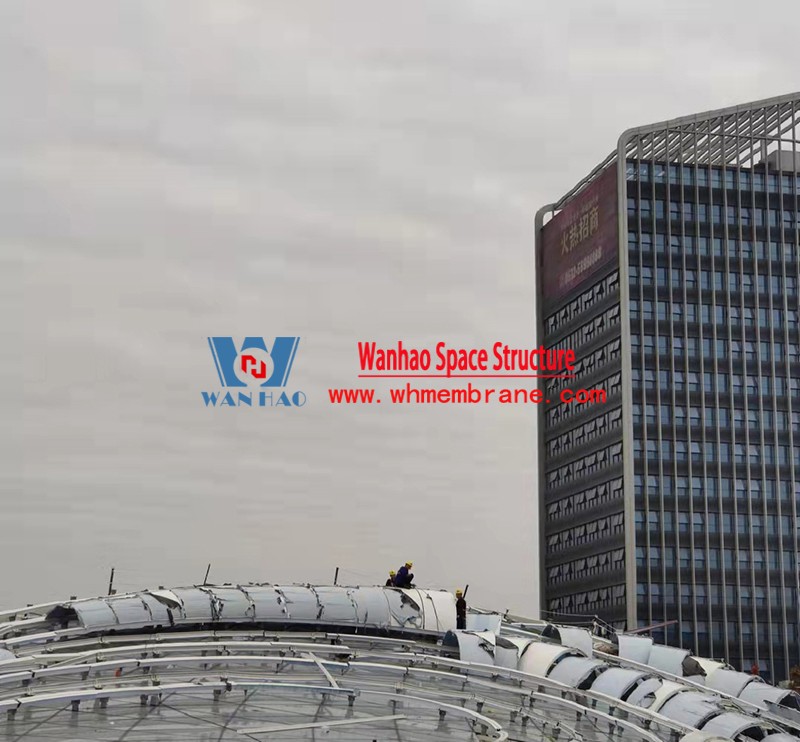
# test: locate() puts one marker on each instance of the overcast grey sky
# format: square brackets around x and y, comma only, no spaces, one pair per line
[341,171]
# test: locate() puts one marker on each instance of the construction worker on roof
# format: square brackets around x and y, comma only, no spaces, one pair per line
[404,578]
[461,610]
[390,581]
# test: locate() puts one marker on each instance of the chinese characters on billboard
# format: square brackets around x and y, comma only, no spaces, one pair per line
[581,239]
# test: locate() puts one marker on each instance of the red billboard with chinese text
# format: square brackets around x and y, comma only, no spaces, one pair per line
[582,239]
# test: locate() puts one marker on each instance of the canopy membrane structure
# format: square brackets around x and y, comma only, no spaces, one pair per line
[306,662]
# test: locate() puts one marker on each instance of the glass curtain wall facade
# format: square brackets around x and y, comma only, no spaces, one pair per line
[704,283]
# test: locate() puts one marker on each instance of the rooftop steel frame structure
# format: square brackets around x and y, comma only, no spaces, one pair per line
[735,135]
[268,662]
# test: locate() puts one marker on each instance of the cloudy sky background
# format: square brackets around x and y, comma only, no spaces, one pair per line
[340,171]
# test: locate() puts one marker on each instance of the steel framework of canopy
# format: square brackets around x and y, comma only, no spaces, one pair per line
[293,662]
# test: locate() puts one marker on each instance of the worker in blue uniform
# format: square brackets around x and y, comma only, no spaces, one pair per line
[404,578]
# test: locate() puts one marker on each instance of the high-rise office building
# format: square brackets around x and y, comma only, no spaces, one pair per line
[672,271]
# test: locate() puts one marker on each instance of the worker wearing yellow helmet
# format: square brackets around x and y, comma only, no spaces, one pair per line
[461,610]
[404,578]
[390,581]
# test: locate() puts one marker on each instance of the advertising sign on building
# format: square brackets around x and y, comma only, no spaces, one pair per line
[582,239]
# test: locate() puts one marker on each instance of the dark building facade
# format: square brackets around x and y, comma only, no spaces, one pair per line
[672,271]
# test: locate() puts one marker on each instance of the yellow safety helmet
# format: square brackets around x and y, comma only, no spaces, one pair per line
[409,564]
[459,592]
[392,573]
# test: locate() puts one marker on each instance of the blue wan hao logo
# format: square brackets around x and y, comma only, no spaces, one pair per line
[253,375]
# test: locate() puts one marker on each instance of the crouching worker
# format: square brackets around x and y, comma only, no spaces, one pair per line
[404,578]
[390,581]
